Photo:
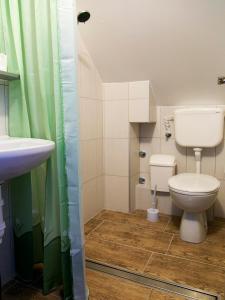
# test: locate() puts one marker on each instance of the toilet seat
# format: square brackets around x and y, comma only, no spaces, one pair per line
[194,184]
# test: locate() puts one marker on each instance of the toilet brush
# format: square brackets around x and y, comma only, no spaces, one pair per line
[153,212]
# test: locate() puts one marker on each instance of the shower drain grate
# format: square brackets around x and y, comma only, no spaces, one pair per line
[185,291]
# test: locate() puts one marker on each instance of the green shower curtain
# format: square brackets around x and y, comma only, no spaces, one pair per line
[30,36]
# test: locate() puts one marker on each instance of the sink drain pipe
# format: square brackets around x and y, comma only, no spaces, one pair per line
[2,223]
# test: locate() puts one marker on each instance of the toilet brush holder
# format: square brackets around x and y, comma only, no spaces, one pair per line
[153,214]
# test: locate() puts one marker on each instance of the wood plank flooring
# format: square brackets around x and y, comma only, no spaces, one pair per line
[106,287]
[155,249]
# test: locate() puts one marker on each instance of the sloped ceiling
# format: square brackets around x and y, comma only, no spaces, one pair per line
[177,44]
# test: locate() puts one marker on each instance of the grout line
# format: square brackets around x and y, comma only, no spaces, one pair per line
[150,227]
[93,230]
[147,263]
[125,245]
[167,224]
[170,244]
[150,295]
[92,179]
[208,238]
[87,234]
[96,216]
[188,259]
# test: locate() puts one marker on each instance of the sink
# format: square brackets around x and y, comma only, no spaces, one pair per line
[19,155]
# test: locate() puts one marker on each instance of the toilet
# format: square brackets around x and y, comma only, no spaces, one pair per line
[194,193]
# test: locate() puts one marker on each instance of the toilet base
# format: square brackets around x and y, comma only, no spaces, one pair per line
[193,228]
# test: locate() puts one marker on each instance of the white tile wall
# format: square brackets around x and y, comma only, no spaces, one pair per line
[116,133]
[117,193]
[152,139]
[116,157]
[91,134]
[116,124]
[89,159]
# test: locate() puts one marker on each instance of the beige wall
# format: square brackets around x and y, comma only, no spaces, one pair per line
[152,140]
[91,134]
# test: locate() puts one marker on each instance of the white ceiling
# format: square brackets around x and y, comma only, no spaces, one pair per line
[178,44]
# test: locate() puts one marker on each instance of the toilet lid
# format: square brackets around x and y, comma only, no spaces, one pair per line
[194,183]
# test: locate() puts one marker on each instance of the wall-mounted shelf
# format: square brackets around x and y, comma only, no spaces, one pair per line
[8,76]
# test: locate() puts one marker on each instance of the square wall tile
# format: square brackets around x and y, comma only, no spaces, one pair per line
[220,161]
[100,182]
[150,146]
[151,129]
[139,89]
[219,208]
[100,158]
[90,200]
[116,91]
[88,159]
[116,157]
[146,176]
[99,119]
[116,123]
[134,164]
[89,119]
[117,193]
[171,147]
[132,190]
[142,196]
[208,162]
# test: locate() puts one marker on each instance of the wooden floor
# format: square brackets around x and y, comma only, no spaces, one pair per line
[106,287]
[155,249]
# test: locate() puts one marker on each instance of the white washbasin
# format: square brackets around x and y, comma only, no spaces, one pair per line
[19,155]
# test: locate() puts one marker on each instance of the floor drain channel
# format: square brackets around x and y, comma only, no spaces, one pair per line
[189,293]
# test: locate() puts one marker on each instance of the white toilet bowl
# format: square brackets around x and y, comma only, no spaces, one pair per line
[194,193]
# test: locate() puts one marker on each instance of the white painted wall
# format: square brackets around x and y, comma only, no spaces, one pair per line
[177,44]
